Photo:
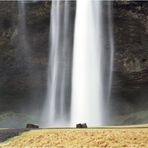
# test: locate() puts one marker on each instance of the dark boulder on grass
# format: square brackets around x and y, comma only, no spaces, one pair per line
[78,125]
[83,125]
[32,126]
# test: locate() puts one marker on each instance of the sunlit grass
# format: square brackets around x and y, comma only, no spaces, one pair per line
[109,136]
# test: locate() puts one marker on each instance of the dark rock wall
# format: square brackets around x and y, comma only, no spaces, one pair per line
[22,84]
[130,82]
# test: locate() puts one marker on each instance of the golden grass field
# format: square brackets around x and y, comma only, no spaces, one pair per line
[75,138]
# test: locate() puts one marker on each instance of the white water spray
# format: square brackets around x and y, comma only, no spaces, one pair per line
[87,94]
[87,98]
[59,65]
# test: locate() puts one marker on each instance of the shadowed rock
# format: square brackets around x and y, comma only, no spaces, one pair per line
[32,126]
[83,125]
[78,125]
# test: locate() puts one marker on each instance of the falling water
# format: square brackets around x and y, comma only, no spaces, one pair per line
[24,51]
[24,55]
[110,63]
[58,97]
[111,45]
[86,103]
[87,96]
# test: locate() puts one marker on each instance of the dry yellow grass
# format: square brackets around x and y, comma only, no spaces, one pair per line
[75,138]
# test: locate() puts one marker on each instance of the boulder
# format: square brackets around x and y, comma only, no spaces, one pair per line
[84,125]
[81,125]
[32,126]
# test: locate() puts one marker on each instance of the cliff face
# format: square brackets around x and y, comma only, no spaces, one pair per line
[130,82]
[23,81]
[24,86]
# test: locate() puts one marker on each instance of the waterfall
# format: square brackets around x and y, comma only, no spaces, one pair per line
[24,56]
[83,58]
[111,45]
[23,51]
[59,70]
[110,63]
[87,93]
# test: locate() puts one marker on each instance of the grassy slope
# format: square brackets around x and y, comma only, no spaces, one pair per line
[116,136]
